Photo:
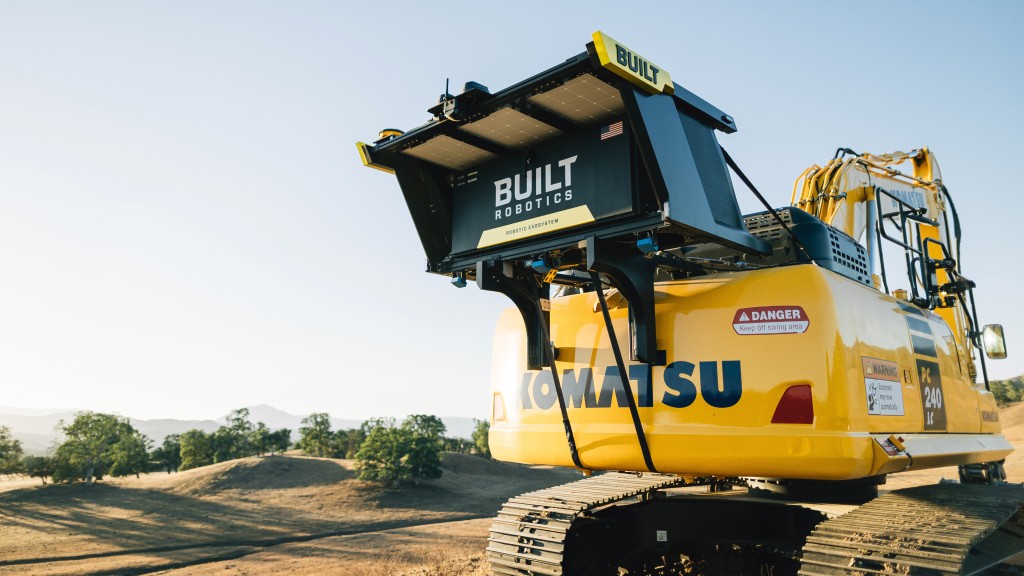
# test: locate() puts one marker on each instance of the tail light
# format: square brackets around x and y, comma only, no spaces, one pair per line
[498,408]
[795,407]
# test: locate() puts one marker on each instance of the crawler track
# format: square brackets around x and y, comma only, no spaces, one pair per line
[528,535]
[938,530]
[944,529]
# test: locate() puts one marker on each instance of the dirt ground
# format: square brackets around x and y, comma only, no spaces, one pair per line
[444,549]
[289,514]
[287,506]
[1012,419]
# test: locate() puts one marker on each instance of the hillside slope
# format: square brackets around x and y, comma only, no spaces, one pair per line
[1012,419]
[232,509]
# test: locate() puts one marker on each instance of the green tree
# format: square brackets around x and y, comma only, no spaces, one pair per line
[240,430]
[339,443]
[130,454]
[85,453]
[382,456]
[315,435]
[998,388]
[234,440]
[168,454]
[349,441]
[196,449]
[223,445]
[38,467]
[1007,391]
[1014,391]
[10,452]
[457,445]
[280,440]
[395,454]
[259,439]
[481,431]
[66,469]
[425,445]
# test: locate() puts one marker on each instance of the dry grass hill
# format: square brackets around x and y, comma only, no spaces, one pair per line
[293,506]
[288,514]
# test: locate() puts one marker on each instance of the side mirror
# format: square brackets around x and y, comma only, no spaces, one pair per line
[992,339]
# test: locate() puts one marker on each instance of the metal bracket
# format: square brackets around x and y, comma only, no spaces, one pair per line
[633,275]
[525,292]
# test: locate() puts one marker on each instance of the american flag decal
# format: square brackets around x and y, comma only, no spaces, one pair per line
[611,131]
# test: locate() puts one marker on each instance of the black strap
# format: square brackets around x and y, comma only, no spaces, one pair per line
[558,389]
[623,374]
[736,169]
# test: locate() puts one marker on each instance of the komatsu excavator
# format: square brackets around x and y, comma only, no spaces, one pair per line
[734,388]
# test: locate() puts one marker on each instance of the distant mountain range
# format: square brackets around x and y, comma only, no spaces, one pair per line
[36,428]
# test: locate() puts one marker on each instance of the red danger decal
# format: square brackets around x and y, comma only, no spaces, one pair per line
[770,320]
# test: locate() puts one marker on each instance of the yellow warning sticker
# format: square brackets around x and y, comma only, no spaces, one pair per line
[882,387]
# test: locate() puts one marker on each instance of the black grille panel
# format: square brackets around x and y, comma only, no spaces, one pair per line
[711,169]
[830,248]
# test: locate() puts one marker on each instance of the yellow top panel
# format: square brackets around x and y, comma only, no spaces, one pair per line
[621,60]
[364,155]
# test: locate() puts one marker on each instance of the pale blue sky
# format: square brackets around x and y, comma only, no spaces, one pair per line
[185,226]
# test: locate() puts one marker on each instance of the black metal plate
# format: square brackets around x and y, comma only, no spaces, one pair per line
[545,189]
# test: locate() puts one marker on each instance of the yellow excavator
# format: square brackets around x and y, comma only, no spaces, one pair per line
[734,388]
